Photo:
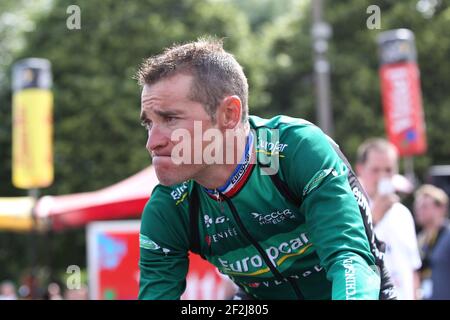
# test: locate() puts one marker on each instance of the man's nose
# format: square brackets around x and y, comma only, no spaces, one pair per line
[156,139]
[383,175]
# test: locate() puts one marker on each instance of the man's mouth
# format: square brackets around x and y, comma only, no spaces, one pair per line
[160,155]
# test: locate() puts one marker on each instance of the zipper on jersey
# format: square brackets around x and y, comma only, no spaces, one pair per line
[219,200]
[264,256]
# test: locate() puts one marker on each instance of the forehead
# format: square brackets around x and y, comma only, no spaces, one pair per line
[176,87]
[381,158]
[424,200]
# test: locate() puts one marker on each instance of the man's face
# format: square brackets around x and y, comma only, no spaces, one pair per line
[166,107]
[426,211]
[378,164]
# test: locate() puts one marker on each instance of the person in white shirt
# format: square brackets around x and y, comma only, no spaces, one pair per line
[377,163]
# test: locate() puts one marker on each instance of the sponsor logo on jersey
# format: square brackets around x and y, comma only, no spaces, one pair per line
[221,235]
[180,193]
[208,240]
[209,221]
[317,179]
[271,147]
[236,178]
[364,205]
[350,279]
[272,283]
[252,266]
[273,217]
[147,243]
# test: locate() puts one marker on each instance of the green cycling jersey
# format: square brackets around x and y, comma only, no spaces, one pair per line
[269,246]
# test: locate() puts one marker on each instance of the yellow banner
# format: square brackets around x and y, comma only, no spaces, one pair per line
[32,138]
[15,213]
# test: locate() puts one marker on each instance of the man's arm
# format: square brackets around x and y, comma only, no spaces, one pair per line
[332,214]
[163,245]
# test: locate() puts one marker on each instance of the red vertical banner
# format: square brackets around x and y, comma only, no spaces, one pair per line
[400,91]
[402,106]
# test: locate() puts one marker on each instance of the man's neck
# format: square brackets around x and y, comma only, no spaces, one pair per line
[216,175]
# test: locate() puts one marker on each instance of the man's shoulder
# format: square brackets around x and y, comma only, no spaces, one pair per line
[174,195]
[288,130]
[446,231]
[397,221]
[164,219]
[277,122]
[399,213]
[166,205]
[400,207]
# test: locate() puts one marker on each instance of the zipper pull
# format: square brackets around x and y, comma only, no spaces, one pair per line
[219,199]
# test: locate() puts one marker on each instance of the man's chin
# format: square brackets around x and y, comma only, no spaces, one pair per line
[169,182]
[169,173]
[167,179]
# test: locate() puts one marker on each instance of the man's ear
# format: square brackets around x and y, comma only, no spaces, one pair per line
[229,112]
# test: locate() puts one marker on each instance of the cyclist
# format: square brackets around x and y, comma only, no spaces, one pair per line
[286,219]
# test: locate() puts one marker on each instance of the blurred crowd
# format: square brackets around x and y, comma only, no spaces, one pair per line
[417,243]
[9,291]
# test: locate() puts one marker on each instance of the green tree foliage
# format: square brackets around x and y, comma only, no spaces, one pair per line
[98,139]
[355,90]
[262,12]
[16,19]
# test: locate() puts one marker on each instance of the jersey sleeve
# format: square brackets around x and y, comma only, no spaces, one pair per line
[332,214]
[164,245]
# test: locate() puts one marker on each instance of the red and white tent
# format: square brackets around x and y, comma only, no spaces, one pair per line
[125,199]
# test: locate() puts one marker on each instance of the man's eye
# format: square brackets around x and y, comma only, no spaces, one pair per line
[146,124]
[170,119]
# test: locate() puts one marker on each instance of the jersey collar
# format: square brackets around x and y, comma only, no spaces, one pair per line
[240,174]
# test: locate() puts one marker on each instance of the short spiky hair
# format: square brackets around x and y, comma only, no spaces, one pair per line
[216,73]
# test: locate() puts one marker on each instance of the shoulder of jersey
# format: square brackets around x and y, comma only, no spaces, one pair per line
[277,122]
[178,193]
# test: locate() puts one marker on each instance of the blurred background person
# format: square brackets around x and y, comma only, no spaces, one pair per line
[77,294]
[53,292]
[377,163]
[8,291]
[430,209]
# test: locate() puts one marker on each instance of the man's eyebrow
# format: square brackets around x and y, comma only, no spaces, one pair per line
[168,113]
[162,113]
